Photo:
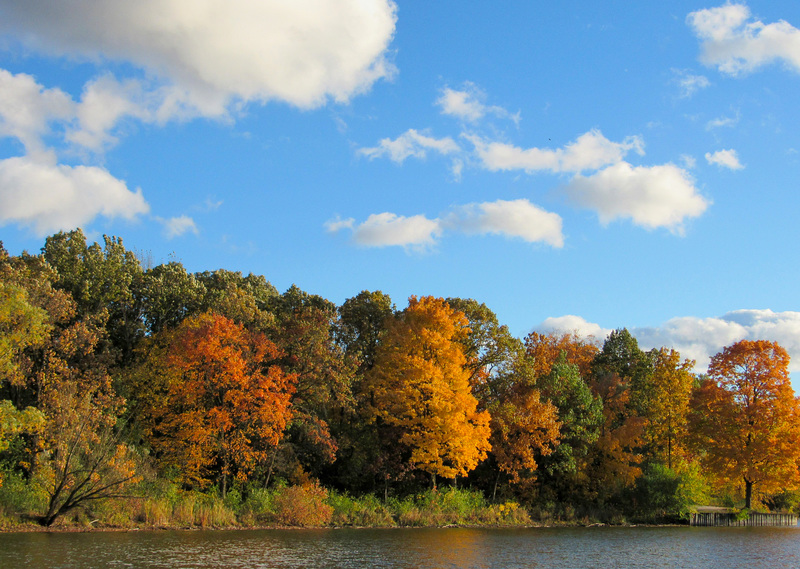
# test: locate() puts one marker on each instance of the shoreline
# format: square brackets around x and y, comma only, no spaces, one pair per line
[111,529]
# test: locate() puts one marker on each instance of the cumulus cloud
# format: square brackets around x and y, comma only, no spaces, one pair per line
[214,52]
[516,219]
[725,159]
[410,143]
[468,105]
[513,219]
[106,101]
[735,44]
[387,229]
[652,197]
[700,338]
[590,151]
[27,109]
[49,197]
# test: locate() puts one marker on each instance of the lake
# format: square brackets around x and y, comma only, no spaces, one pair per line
[572,548]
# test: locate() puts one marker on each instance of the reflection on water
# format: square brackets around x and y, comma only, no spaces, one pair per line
[572,548]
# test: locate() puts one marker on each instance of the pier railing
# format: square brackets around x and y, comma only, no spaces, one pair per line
[753,519]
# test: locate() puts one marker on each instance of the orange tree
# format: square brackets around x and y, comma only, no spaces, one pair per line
[745,418]
[212,403]
[420,385]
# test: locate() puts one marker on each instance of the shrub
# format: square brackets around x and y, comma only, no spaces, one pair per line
[366,511]
[303,506]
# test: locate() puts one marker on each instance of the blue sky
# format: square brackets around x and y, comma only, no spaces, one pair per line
[575,165]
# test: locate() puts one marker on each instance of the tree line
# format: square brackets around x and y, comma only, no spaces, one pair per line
[114,373]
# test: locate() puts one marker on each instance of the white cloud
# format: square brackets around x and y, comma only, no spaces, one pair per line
[410,143]
[514,219]
[517,218]
[49,197]
[657,196]
[387,229]
[27,109]
[104,102]
[214,52]
[590,151]
[467,104]
[725,159]
[689,83]
[571,324]
[177,226]
[735,45]
[700,338]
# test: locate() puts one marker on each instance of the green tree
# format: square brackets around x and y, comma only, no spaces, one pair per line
[563,474]
[168,295]
[362,323]
[100,279]
[305,330]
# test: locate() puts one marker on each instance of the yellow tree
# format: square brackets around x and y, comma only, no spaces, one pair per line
[746,419]
[666,402]
[420,384]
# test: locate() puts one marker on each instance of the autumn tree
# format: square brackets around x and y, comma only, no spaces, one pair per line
[745,418]
[420,384]
[618,372]
[524,425]
[213,402]
[305,328]
[664,398]
[84,456]
[545,350]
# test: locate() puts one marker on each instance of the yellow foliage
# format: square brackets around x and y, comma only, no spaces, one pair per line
[419,383]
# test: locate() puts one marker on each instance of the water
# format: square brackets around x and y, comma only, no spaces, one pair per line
[573,548]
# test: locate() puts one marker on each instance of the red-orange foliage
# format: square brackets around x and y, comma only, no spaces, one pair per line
[523,427]
[746,417]
[217,406]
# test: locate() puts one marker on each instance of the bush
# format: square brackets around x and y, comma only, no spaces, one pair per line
[367,511]
[302,506]
[456,507]
[18,498]
[258,507]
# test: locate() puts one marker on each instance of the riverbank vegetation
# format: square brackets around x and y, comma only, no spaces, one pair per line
[134,395]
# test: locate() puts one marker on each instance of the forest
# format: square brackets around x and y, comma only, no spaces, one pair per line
[140,395]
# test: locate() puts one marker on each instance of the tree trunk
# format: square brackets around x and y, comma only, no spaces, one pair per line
[748,493]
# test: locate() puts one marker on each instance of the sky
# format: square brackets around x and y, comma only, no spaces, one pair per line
[576,166]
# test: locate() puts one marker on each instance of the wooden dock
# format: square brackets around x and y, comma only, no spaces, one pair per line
[724,517]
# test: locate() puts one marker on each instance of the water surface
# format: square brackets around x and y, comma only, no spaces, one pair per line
[572,548]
